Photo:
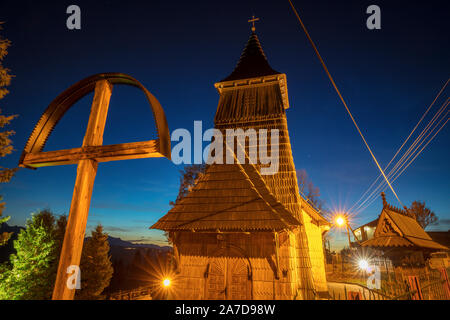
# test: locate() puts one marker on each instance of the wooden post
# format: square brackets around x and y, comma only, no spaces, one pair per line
[84,184]
[348,234]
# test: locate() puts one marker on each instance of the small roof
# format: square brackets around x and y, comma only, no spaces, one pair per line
[253,62]
[398,228]
[228,197]
[388,241]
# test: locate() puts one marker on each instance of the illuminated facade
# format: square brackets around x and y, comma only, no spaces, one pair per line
[239,234]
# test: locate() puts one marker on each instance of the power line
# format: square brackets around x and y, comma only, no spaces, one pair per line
[397,174]
[403,144]
[407,155]
[342,99]
[391,174]
[393,180]
[420,139]
[423,147]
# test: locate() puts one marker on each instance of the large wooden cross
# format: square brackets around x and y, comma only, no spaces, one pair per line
[87,158]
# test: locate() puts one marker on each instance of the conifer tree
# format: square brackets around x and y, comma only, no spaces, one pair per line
[96,267]
[32,271]
[5,141]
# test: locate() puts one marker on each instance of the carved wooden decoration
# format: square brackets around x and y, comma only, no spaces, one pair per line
[88,156]
[388,229]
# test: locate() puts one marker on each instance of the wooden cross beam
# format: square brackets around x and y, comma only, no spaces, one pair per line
[124,151]
[87,158]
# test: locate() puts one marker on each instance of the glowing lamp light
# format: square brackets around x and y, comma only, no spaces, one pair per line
[363,264]
[340,221]
[166,283]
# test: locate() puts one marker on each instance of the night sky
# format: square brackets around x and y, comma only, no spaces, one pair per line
[179,49]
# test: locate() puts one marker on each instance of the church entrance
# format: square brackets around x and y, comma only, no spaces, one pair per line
[228,279]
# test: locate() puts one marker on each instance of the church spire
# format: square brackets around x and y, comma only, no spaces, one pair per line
[253,62]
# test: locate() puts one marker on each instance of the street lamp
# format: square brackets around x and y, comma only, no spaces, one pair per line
[363,264]
[166,282]
[342,220]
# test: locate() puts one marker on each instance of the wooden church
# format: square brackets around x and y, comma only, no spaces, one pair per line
[239,234]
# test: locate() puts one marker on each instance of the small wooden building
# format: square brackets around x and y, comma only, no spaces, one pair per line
[239,234]
[401,238]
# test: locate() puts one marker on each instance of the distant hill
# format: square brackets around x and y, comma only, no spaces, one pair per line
[120,249]
[123,243]
[125,250]
[4,227]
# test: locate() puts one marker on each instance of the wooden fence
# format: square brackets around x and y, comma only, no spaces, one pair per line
[142,293]
[403,283]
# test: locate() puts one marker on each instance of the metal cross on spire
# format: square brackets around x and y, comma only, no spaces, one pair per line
[253,20]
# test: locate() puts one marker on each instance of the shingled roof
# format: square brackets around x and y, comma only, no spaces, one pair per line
[253,62]
[398,228]
[228,197]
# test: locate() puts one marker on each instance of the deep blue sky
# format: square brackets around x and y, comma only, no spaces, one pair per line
[179,49]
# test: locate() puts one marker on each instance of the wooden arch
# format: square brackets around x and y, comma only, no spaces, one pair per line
[32,154]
